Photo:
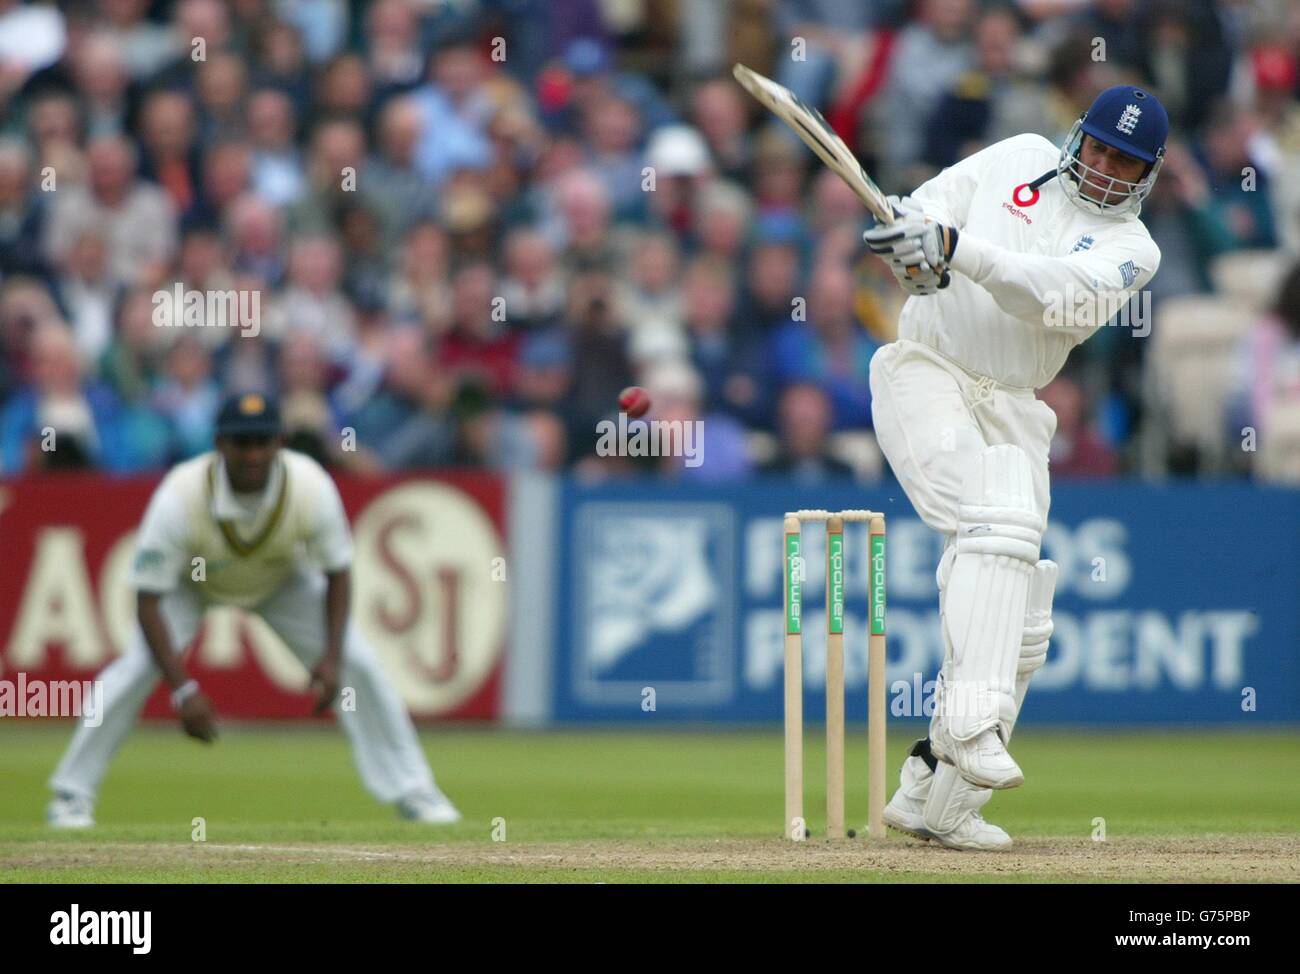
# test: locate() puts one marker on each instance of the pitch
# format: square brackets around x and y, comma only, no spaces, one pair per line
[284,805]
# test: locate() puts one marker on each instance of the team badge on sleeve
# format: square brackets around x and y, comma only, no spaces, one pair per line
[1128,271]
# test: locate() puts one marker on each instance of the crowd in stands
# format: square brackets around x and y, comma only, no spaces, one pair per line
[469,224]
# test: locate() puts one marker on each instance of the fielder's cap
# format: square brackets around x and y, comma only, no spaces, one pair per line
[1131,119]
[249,413]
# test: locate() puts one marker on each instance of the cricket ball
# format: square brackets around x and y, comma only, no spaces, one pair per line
[634,401]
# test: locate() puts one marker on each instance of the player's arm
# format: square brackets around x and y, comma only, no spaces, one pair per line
[325,675]
[330,546]
[1080,291]
[159,561]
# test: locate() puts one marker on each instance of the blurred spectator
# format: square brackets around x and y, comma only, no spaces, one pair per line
[728,359]
[723,218]
[103,85]
[455,113]
[1077,450]
[132,363]
[393,46]
[611,128]
[1227,211]
[336,178]
[408,423]
[221,91]
[22,212]
[772,278]
[61,419]
[930,55]
[313,301]
[704,446]
[803,423]
[188,393]
[255,232]
[276,173]
[990,102]
[1266,367]
[87,294]
[309,422]
[401,191]
[720,113]
[420,290]
[830,350]
[533,288]
[680,161]
[146,46]
[344,90]
[170,154]
[136,218]
[480,346]
[55,128]
[650,301]
[600,362]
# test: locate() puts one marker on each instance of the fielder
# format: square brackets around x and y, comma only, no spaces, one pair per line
[1041,246]
[269,527]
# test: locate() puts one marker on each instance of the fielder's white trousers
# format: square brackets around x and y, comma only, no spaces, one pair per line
[384,743]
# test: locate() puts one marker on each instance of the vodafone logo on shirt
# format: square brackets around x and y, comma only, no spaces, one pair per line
[1025,195]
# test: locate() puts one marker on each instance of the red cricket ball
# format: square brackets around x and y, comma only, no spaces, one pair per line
[634,401]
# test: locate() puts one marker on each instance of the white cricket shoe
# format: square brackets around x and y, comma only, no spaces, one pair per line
[428,808]
[906,809]
[969,831]
[984,761]
[68,811]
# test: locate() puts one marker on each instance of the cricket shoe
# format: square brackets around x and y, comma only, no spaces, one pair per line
[905,811]
[428,808]
[955,811]
[983,761]
[69,811]
[952,817]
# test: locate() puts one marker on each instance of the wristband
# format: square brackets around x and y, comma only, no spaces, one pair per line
[184,692]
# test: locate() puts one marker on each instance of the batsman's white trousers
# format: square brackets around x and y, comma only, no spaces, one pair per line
[384,743]
[932,418]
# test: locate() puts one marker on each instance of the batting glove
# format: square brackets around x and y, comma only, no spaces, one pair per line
[916,248]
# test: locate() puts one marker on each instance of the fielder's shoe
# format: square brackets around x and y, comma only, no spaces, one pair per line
[428,808]
[983,761]
[69,811]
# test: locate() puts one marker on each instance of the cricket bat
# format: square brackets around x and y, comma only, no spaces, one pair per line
[817,134]
[809,125]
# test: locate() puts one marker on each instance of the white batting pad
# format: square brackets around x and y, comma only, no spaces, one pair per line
[1037,633]
[999,532]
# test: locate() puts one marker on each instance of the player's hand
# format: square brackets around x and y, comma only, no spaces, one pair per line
[198,718]
[325,683]
[913,246]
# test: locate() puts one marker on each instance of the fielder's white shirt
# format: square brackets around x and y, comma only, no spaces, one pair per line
[249,545]
[1020,253]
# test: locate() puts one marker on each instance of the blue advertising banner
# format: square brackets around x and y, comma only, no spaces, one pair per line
[1175,604]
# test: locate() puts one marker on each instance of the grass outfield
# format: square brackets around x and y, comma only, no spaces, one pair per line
[285,805]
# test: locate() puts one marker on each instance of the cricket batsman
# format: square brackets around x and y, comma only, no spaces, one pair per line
[1013,256]
[262,528]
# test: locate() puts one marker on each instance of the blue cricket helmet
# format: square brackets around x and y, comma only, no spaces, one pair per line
[1132,120]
